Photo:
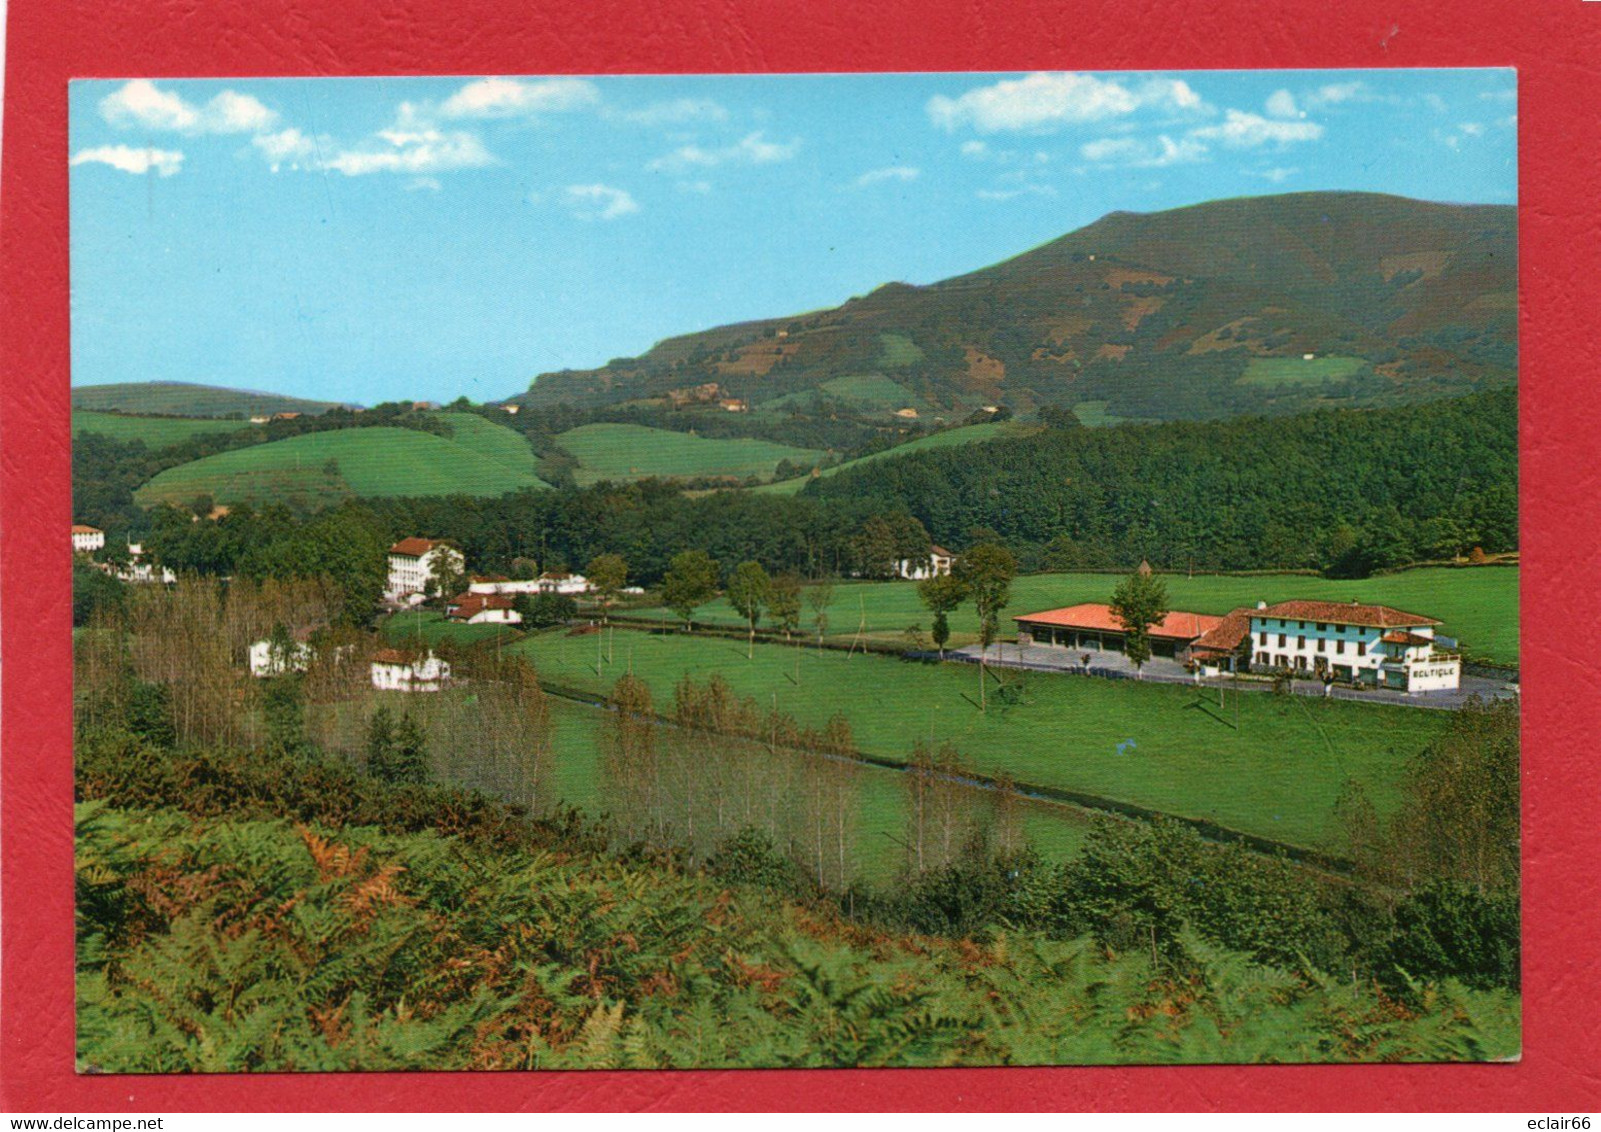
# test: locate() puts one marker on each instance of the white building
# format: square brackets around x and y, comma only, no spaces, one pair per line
[86,540]
[412,563]
[483,609]
[560,582]
[267,660]
[938,561]
[494,584]
[397,670]
[1366,644]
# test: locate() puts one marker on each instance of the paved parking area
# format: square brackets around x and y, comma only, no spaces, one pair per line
[1116,666]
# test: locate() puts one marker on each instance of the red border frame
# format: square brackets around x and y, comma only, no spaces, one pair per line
[1555,45]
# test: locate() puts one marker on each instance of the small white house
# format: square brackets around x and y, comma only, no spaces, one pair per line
[560,582]
[937,561]
[412,562]
[483,609]
[87,540]
[268,660]
[398,670]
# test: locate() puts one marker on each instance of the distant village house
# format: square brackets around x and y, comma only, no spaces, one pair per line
[561,582]
[87,540]
[938,561]
[402,670]
[275,658]
[483,609]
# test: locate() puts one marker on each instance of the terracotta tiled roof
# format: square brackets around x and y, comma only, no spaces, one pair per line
[940,552]
[80,529]
[1401,637]
[468,605]
[1177,625]
[1227,635]
[413,547]
[1344,613]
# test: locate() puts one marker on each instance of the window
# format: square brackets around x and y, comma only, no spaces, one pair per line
[1361,648]
[1300,624]
[1321,645]
[1261,658]
[1300,662]
[1339,647]
[1322,628]
[1281,640]
[1300,642]
[1263,641]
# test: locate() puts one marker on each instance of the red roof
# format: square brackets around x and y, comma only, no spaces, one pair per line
[1344,613]
[1401,637]
[393,656]
[1177,625]
[80,529]
[480,578]
[939,551]
[469,605]
[413,547]
[1227,635]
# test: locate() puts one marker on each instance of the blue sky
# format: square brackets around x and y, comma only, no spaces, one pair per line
[372,239]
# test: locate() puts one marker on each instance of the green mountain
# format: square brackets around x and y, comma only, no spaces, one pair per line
[183,399]
[1259,304]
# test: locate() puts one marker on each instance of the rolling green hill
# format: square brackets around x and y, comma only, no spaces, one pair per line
[949,438]
[183,399]
[490,440]
[325,467]
[631,452]
[1193,313]
[156,432]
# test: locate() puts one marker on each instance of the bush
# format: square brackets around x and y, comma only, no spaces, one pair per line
[750,857]
[1451,930]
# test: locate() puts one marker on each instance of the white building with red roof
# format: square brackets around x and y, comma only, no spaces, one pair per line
[87,540]
[483,609]
[938,560]
[402,670]
[1364,644]
[413,562]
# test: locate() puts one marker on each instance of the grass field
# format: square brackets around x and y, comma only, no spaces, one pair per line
[631,452]
[1299,371]
[183,399]
[1478,605]
[866,393]
[881,818]
[899,350]
[948,438]
[429,627]
[1276,774]
[490,440]
[365,462]
[156,432]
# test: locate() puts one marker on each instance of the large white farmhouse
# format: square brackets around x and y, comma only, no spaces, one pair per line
[86,540]
[483,609]
[496,584]
[268,659]
[412,562]
[1367,644]
[561,582]
[398,670]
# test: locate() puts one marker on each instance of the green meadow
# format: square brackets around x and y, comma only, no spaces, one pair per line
[632,452]
[948,438]
[156,432]
[1267,765]
[1299,371]
[1478,605]
[325,467]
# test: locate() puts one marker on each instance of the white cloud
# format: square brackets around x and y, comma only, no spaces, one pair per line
[1281,104]
[752,149]
[166,162]
[286,147]
[889,173]
[1243,130]
[675,112]
[1278,175]
[974,149]
[1471,129]
[506,98]
[417,150]
[423,184]
[1331,94]
[1140,153]
[1435,103]
[141,104]
[598,202]
[1012,194]
[1044,101]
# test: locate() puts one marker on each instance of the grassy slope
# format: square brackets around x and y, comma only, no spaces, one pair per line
[372,461]
[628,452]
[156,432]
[1277,775]
[1478,605]
[951,437]
[492,441]
[183,399]
[1299,371]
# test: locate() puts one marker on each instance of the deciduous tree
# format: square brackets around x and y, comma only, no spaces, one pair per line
[1139,602]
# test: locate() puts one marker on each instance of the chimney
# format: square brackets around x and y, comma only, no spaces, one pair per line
[1261,605]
